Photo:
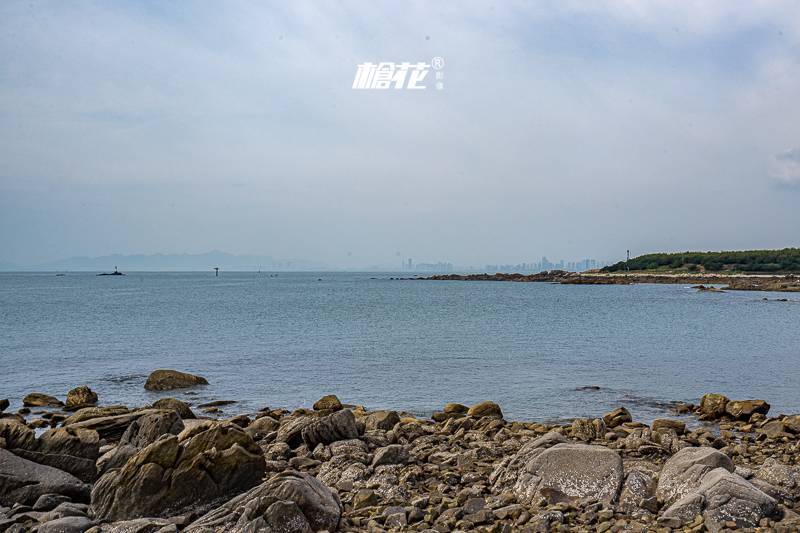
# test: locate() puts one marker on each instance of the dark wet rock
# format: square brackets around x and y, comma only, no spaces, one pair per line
[340,425]
[684,471]
[274,504]
[722,496]
[80,397]
[147,429]
[482,409]
[564,473]
[743,410]
[110,428]
[174,404]
[712,406]
[617,417]
[83,469]
[199,468]
[48,502]
[116,458]
[331,401]
[36,399]
[68,524]
[172,379]
[385,420]
[23,481]
[4,404]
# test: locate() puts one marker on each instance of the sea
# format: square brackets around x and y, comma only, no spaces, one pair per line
[543,352]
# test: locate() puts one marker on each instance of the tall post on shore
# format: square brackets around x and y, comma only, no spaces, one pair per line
[216,270]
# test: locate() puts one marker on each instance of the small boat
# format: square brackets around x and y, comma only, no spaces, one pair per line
[115,273]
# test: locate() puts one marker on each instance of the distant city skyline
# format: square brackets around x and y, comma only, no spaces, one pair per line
[543,264]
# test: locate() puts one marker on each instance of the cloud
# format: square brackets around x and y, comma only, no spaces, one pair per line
[785,167]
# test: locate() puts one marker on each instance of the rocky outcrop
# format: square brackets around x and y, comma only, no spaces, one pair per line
[331,401]
[73,450]
[80,397]
[744,410]
[37,399]
[487,408]
[147,429]
[617,417]
[712,406]
[23,481]
[172,379]
[290,502]
[684,471]
[112,427]
[202,466]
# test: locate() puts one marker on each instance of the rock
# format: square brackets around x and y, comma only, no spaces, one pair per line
[172,379]
[16,434]
[291,430]
[617,417]
[83,469]
[348,447]
[140,525]
[48,502]
[774,429]
[712,406]
[110,428]
[195,470]
[4,404]
[684,471]
[669,423]
[68,524]
[365,498]
[588,429]
[390,455]
[80,397]
[341,425]
[95,412]
[792,423]
[331,401]
[174,404]
[637,486]
[23,481]
[261,427]
[722,496]
[778,475]
[564,473]
[115,458]
[385,420]
[36,399]
[743,410]
[77,442]
[273,504]
[147,429]
[455,409]
[487,408]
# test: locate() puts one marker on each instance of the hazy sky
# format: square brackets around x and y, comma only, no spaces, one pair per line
[565,129]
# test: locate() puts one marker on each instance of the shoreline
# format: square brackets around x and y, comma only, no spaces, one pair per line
[338,467]
[752,282]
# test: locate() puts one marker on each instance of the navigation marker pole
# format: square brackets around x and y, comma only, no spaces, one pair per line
[216,270]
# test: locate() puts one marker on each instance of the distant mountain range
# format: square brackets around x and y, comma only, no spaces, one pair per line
[172,262]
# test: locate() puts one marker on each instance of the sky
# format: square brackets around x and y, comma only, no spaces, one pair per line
[563,129]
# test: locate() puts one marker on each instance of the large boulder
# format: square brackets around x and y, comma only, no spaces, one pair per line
[487,408]
[145,430]
[274,506]
[72,450]
[743,410]
[291,430]
[23,481]
[340,425]
[617,417]
[723,496]
[384,420]
[175,404]
[565,472]
[37,399]
[204,465]
[684,471]
[172,379]
[80,397]
[712,406]
[588,429]
[15,434]
[110,428]
[331,401]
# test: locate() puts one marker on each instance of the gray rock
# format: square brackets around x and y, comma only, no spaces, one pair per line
[722,496]
[637,486]
[340,425]
[23,481]
[172,379]
[588,429]
[69,524]
[390,455]
[320,507]
[110,428]
[115,459]
[140,525]
[261,427]
[197,469]
[291,430]
[48,502]
[384,420]
[83,469]
[147,429]
[684,471]
[563,473]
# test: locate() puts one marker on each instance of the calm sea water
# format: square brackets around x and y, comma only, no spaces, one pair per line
[284,341]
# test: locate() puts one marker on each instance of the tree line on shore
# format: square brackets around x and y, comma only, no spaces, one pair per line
[772,261]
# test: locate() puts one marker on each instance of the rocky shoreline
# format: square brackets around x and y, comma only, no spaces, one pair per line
[341,468]
[788,283]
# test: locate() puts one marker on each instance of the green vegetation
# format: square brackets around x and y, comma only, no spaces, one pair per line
[767,261]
